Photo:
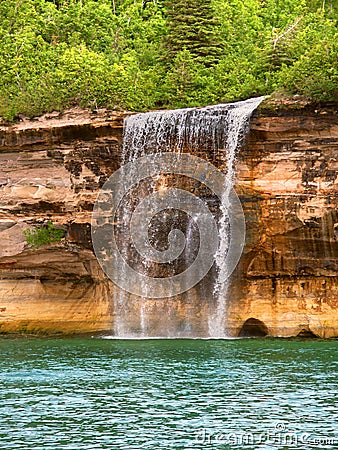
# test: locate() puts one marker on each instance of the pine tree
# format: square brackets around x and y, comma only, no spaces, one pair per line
[192,26]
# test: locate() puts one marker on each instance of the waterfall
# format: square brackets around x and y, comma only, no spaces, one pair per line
[237,126]
[217,131]
[213,128]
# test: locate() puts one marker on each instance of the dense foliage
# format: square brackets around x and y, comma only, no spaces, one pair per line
[143,54]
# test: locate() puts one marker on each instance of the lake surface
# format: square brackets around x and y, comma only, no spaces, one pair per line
[168,394]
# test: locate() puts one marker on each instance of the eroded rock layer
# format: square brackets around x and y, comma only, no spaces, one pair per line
[288,177]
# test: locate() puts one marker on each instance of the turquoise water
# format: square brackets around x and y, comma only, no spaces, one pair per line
[168,394]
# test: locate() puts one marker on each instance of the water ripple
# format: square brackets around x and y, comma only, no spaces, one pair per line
[101,394]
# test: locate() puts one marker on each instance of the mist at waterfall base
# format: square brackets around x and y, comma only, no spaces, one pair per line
[87,394]
[218,132]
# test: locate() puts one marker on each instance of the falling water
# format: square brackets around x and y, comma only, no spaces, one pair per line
[216,127]
[216,130]
[237,126]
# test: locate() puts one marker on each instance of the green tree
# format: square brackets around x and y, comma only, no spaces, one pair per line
[192,26]
[315,73]
[188,82]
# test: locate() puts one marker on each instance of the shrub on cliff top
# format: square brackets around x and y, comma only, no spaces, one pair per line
[44,235]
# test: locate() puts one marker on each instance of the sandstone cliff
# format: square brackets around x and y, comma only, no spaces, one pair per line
[286,283]
[288,173]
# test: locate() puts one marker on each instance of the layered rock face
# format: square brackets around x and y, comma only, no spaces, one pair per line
[286,283]
[288,177]
[52,169]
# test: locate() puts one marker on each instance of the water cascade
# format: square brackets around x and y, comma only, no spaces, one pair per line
[216,131]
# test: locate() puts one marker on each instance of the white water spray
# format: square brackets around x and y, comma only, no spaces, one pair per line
[214,130]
